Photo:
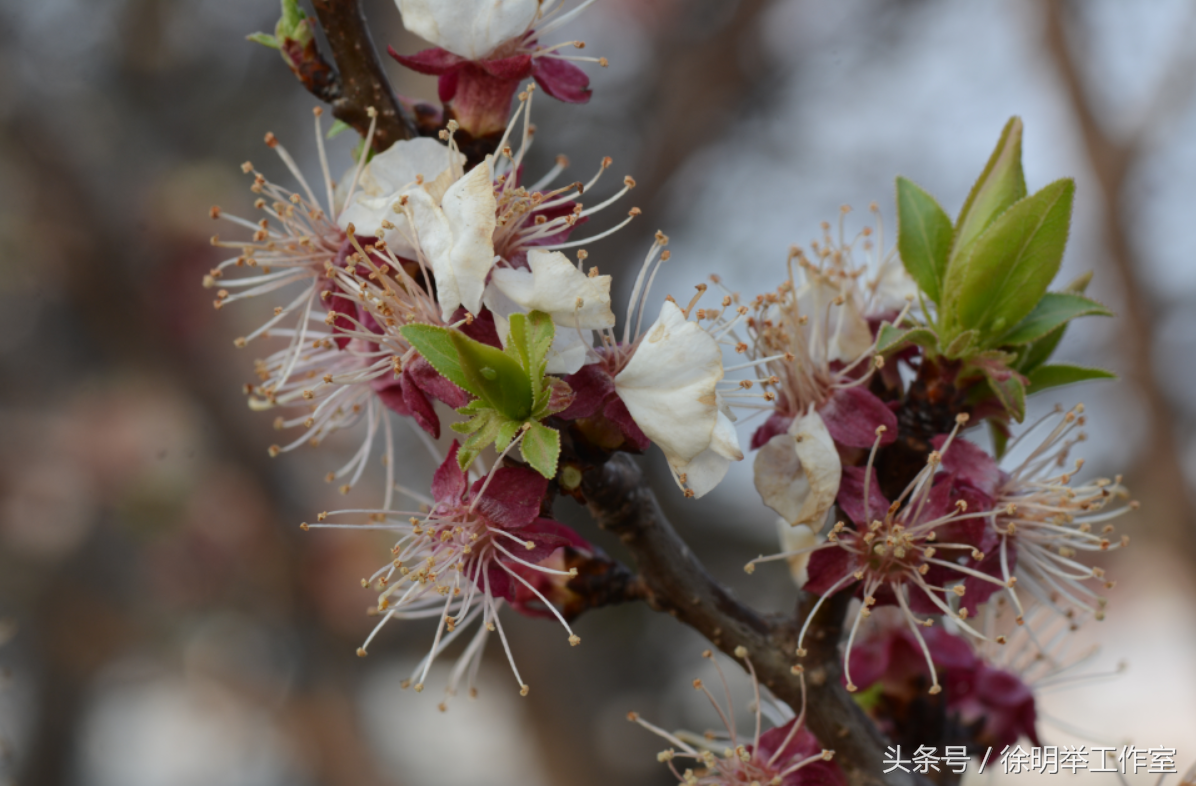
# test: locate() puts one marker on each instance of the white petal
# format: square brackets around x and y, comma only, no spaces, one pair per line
[385,180]
[569,351]
[724,441]
[841,329]
[893,286]
[555,286]
[469,28]
[794,539]
[400,165]
[668,385]
[798,473]
[457,237]
[710,466]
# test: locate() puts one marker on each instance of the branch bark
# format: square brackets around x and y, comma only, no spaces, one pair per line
[675,582]
[363,83]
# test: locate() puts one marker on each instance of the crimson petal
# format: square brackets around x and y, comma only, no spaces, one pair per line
[970,464]
[512,498]
[448,483]
[562,80]
[851,497]
[852,416]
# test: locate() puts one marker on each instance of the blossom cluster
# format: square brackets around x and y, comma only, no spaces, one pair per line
[430,283]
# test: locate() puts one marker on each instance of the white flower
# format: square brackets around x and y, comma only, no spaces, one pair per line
[798,473]
[555,286]
[469,28]
[836,318]
[457,237]
[668,386]
[892,288]
[386,179]
[577,303]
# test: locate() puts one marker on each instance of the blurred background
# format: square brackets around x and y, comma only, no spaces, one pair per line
[164,621]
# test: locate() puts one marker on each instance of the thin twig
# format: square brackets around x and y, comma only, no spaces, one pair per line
[363,83]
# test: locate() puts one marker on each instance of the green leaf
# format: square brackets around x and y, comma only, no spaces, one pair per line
[961,344]
[1040,351]
[265,39]
[541,448]
[1000,436]
[338,128]
[1057,374]
[528,341]
[891,339]
[1054,311]
[1006,272]
[999,186]
[924,235]
[1010,391]
[292,15]
[494,376]
[436,345]
[531,335]
[506,432]
[870,697]
[1080,284]
[484,429]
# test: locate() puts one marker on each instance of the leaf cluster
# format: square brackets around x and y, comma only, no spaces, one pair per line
[512,394]
[986,277]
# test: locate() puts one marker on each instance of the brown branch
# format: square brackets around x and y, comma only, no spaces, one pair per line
[1161,478]
[363,83]
[673,581]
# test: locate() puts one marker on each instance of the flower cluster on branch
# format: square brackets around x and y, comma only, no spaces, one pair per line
[430,282]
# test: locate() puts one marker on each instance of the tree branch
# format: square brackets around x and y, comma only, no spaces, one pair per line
[362,81]
[673,581]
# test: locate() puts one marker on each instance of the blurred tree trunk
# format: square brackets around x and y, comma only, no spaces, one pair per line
[1158,478]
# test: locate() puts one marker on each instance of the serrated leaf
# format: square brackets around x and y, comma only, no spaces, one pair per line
[532,335]
[485,431]
[529,341]
[1010,265]
[436,345]
[494,376]
[474,406]
[999,186]
[924,235]
[1010,391]
[960,345]
[1054,311]
[265,39]
[465,457]
[1057,374]
[506,432]
[1040,351]
[891,339]
[541,448]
